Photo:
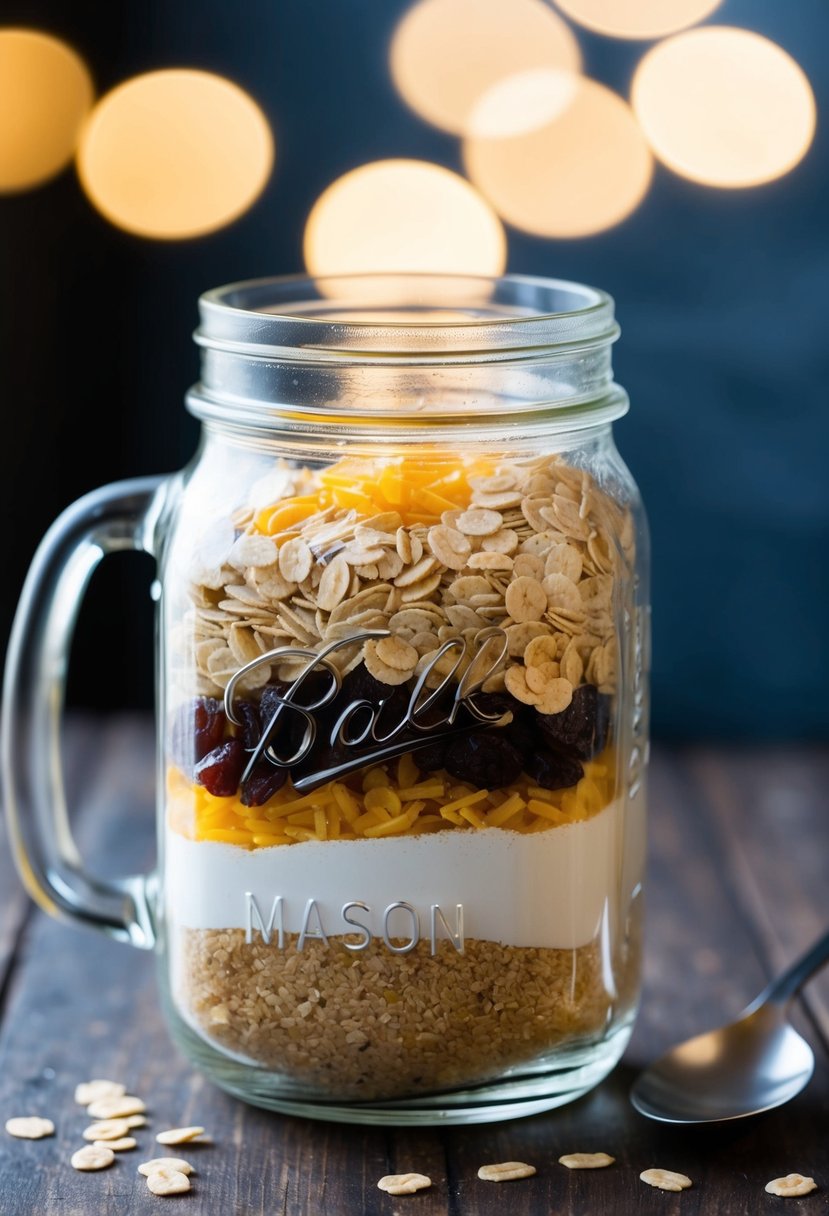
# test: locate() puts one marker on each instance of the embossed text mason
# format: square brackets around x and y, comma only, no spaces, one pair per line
[402,701]
[357,926]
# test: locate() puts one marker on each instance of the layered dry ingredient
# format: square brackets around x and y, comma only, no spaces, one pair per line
[503,579]
[384,1026]
[461,617]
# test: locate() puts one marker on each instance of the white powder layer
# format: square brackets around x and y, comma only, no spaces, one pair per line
[553,889]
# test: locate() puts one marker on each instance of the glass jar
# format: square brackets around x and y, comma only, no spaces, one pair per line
[402,701]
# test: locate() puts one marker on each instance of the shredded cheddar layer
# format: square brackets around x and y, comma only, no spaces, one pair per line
[419,490]
[388,800]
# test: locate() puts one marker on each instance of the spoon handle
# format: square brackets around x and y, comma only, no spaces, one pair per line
[782,989]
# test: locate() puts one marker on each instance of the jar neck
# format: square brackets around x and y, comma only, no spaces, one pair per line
[337,363]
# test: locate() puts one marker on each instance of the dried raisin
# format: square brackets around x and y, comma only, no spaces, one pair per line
[553,770]
[291,726]
[393,710]
[250,729]
[360,685]
[265,781]
[271,700]
[522,731]
[198,727]
[485,759]
[430,758]
[221,769]
[581,729]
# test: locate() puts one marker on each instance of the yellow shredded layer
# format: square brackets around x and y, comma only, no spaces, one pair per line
[419,491]
[393,799]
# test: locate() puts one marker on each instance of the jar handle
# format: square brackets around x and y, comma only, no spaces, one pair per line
[121,516]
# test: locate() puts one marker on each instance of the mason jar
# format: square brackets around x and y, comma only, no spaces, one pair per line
[402,611]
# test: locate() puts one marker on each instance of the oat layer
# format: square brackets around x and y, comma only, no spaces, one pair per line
[381,1026]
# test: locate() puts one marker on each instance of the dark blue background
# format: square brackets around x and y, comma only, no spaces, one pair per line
[721,296]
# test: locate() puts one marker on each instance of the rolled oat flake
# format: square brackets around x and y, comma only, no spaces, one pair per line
[506,1171]
[165,1181]
[666,1180]
[792,1184]
[94,1091]
[116,1108]
[586,1161]
[122,1145]
[30,1127]
[179,1135]
[107,1129]
[92,1157]
[170,1163]
[404,1184]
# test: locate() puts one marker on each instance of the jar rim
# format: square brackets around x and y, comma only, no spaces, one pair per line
[411,315]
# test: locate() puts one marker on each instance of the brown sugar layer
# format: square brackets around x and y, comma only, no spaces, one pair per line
[378,1025]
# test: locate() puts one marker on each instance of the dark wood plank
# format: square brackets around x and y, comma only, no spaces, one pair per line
[79,1006]
[772,818]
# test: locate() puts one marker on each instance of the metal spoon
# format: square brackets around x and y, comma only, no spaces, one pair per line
[753,1065]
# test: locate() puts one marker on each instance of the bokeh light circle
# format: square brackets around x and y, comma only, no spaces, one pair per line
[175,153]
[45,94]
[445,54]
[724,106]
[403,215]
[523,102]
[579,174]
[638,18]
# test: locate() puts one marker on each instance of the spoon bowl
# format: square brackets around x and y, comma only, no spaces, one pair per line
[753,1065]
[745,1068]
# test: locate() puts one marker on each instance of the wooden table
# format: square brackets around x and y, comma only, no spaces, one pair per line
[738,884]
